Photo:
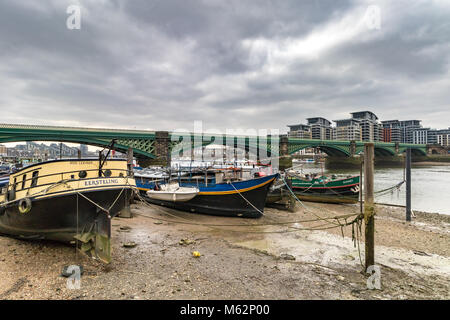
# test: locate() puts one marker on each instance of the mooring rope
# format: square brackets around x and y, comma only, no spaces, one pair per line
[262,213]
[191,222]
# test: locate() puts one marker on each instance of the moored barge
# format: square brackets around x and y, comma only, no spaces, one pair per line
[324,189]
[67,200]
[221,192]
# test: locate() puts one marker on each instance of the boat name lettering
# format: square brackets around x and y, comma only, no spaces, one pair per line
[347,181]
[100,182]
[81,162]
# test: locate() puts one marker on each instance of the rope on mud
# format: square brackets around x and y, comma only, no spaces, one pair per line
[358,221]
[237,225]
[190,222]
[324,226]
[303,205]
[262,213]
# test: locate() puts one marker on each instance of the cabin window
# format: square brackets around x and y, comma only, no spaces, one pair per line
[24,179]
[82,174]
[107,173]
[34,179]
[14,184]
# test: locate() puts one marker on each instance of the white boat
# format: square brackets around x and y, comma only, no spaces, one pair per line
[173,192]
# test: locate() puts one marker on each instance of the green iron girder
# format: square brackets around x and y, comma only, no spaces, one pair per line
[142,142]
[242,142]
[330,147]
[339,148]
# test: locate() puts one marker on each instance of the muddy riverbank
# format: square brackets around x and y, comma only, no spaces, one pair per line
[239,262]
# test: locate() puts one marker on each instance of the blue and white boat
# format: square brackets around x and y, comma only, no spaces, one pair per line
[222,192]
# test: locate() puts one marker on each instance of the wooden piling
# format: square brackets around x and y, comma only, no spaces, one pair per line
[126,211]
[369,207]
[361,167]
[408,184]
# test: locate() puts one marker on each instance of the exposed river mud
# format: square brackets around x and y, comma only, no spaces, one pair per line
[241,261]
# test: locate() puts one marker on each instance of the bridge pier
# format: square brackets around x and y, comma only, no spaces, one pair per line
[162,151]
[352,148]
[285,159]
[436,149]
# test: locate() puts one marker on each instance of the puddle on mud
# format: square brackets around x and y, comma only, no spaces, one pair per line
[329,249]
[308,246]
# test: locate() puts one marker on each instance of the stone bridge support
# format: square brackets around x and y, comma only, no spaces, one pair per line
[285,159]
[352,148]
[284,145]
[436,149]
[162,151]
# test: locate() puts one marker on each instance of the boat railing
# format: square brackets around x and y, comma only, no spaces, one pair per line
[36,178]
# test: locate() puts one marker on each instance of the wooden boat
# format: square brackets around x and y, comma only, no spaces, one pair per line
[324,189]
[221,192]
[66,200]
[173,192]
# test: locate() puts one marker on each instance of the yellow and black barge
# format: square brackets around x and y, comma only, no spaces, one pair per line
[67,200]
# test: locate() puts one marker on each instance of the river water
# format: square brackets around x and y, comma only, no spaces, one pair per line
[430,185]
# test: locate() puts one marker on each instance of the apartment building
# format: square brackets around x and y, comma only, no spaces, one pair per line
[320,128]
[302,131]
[391,131]
[421,136]
[370,127]
[443,139]
[347,129]
[407,128]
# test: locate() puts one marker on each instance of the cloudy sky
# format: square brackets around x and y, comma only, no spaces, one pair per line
[162,64]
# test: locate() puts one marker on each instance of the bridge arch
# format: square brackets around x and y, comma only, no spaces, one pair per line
[142,142]
[253,145]
[384,151]
[415,151]
[118,146]
[333,151]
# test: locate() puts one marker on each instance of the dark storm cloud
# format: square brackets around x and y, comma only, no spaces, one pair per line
[254,64]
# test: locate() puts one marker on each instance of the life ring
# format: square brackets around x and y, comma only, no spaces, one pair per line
[24,205]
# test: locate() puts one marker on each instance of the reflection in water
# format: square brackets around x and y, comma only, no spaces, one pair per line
[430,185]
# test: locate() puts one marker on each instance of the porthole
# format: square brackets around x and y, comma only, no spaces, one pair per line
[82,174]
[107,173]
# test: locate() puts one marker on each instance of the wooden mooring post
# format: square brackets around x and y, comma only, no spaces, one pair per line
[408,184]
[126,211]
[361,168]
[369,207]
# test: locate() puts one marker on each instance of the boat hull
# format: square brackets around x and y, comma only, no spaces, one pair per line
[326,198]
[62,217]
[337,191]
[171,196]
[247,201]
